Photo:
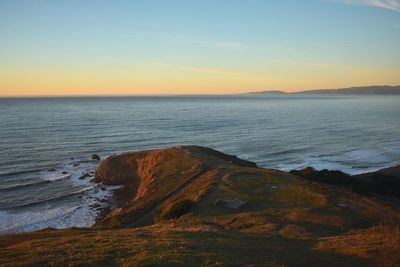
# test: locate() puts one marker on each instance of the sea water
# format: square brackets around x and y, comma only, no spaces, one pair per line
[46,143]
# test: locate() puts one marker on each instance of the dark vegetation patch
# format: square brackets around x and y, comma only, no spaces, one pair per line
[378,183]
[178,209]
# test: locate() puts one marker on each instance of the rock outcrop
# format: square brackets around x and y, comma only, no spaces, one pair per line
[95,157]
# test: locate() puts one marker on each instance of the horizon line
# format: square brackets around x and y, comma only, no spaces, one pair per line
[187,94]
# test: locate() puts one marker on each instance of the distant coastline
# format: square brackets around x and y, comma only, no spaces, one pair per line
[366,90]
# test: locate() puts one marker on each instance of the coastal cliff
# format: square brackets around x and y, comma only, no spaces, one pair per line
[194,206]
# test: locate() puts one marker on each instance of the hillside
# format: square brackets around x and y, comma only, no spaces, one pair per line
[367,90]
[191,206]
[385,183]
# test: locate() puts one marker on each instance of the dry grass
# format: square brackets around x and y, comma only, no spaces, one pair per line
[295,232]
[379,243]
[321,219]
[163,245]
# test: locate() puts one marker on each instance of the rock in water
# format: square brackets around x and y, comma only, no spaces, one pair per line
[95,157]
[83,176]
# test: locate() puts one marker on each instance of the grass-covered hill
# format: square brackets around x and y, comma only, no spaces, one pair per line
[365,90]
[194,206]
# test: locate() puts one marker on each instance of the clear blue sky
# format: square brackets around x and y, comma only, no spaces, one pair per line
[188,46]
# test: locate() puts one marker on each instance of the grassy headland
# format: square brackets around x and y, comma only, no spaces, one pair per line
[194,206]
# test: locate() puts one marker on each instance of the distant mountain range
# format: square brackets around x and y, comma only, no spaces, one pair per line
[367,90]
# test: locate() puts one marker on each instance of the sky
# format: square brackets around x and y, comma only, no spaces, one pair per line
[121,47]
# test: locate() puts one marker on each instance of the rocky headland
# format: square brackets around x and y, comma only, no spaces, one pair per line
[194,206]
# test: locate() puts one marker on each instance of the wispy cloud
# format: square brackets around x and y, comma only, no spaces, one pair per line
[191,40]
[228,45]
[160,64]
[386,4]
[198,41]
[309,64]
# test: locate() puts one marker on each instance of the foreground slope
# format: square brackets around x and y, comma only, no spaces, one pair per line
[195,206]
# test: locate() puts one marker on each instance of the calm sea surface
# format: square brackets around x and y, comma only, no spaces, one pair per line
[46,143]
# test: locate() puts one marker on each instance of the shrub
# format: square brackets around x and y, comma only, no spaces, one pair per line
[378,183]
[178,209]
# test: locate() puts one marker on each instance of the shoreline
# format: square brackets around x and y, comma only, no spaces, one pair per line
[118,197]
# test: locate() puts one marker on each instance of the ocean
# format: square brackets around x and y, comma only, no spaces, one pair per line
[46,143]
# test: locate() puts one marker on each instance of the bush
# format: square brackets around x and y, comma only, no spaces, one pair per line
[178,209]
[378,183]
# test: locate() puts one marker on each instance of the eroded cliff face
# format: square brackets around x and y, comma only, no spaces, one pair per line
[143,169]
